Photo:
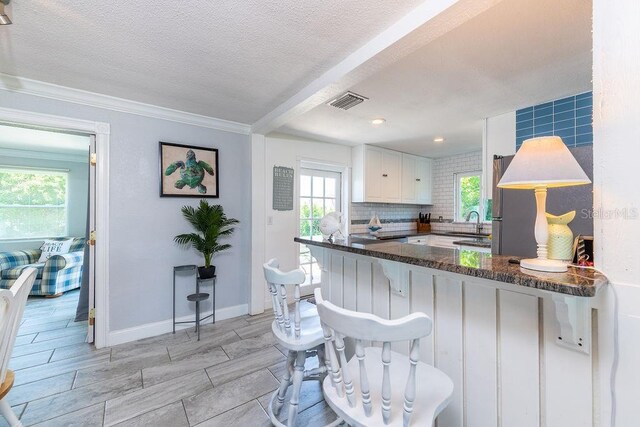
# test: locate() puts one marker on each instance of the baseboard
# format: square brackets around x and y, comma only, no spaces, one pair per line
[158,328]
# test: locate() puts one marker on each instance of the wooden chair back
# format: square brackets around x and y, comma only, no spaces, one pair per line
[12,304]
[277,282]
[339,323]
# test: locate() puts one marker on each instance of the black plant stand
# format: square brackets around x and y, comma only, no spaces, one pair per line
[196,297]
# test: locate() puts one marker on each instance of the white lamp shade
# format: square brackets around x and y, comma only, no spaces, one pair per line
[543,162]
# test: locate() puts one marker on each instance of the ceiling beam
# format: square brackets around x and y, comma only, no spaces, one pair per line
[430,20]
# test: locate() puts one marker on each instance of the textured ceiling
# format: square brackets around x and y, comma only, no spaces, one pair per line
[516,54]
[229,59]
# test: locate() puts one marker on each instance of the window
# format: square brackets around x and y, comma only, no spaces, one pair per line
[33,203]
[319,195]
[468,195]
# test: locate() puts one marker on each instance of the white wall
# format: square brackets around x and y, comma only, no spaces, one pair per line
[616,103]
[500,139]
[142,224]
[282,151]
[78,190]
[273,231]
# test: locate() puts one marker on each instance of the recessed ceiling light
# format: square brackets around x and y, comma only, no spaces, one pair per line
[438,139]
[378,121]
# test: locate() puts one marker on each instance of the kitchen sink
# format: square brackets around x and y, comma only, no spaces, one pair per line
[463,234]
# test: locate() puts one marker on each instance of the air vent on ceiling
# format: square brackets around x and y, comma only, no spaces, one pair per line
[347,100]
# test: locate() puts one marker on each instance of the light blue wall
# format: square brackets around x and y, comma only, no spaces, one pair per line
[142,224]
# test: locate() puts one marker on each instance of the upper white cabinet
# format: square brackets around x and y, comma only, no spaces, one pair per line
[416,179]
[377,175]
[383,176]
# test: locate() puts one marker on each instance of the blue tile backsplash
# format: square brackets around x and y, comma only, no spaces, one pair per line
[569,118]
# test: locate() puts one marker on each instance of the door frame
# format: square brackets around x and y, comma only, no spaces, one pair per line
[102,132]
[345,191]
[314,169]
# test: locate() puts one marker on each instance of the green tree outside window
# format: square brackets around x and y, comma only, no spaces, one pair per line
[469,188]
[32,204]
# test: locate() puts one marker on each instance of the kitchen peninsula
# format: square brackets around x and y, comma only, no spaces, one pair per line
[577,282]
[521,342]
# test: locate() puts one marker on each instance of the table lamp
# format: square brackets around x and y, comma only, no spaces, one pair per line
[543,163]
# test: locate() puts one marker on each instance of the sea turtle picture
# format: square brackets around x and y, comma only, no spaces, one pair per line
[191,172]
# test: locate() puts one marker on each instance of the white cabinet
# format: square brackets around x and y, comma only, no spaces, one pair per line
[377,175]
[434,240]
[444,242]
[416,179]
[409,177]
[419,240]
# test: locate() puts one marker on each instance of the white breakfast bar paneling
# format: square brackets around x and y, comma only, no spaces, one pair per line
[497,341]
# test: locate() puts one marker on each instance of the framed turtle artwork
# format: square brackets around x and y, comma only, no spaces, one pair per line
[188,171]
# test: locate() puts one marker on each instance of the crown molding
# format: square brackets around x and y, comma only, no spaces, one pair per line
[77,96]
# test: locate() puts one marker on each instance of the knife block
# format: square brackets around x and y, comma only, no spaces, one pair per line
[423,228]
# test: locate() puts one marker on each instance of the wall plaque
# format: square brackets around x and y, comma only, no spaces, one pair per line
[282,188]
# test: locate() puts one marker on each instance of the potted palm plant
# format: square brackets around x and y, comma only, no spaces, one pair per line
[210,223]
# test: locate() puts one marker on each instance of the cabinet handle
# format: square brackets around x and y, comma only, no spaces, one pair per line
[418,179]
[384,175]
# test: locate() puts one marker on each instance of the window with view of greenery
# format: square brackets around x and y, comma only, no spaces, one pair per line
[319,195]
[468,195]
[33,203]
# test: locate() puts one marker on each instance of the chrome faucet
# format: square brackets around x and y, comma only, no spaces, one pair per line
[478,225]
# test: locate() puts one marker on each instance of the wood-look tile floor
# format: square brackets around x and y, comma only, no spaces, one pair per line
[225,379]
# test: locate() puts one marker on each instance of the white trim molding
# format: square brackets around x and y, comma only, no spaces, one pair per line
[258,298]
[47,90]
[102,133]
[165,326]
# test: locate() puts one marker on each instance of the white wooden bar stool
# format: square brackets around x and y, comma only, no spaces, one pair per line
[302,336]
[12,303]
[379,387]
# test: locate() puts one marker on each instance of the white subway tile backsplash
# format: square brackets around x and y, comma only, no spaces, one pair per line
[443,182]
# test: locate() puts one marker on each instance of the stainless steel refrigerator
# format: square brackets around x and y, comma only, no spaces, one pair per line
[514,211]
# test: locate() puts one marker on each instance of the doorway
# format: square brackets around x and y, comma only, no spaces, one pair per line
[320,194]
[97,134]
[46,194]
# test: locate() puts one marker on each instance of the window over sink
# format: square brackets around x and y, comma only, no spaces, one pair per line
[468,196]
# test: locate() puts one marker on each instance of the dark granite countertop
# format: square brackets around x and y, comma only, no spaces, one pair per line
[391,235]
[387,235]
[575,282]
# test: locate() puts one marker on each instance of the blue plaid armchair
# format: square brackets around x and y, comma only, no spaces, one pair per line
[59,274]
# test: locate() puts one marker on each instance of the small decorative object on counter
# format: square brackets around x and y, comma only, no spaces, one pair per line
[330,226]
[583,257]
[374,224]
[560,245]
